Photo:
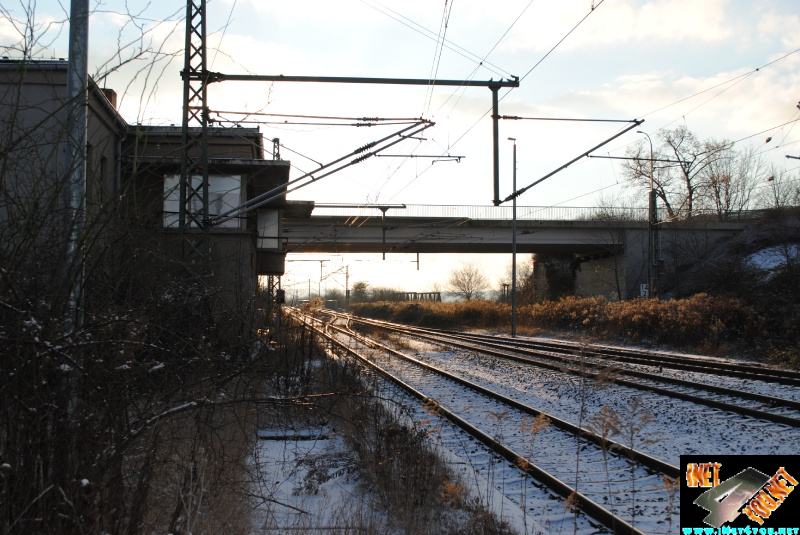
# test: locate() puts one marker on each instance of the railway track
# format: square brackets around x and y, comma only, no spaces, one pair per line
[616,485]
[596,361]
[634,356]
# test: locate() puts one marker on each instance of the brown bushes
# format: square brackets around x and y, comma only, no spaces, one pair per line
[700,322]
[438,314]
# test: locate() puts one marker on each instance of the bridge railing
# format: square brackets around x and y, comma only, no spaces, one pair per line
[547,213]
[538,213]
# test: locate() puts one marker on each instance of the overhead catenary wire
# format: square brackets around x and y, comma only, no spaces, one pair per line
[437,55]
[706,90]
[474,72]
[433,35]
[502,97]
[360,154]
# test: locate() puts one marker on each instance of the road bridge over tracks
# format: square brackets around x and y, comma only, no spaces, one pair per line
[608,245]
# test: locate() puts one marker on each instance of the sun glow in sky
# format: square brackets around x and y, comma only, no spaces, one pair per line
[727,69]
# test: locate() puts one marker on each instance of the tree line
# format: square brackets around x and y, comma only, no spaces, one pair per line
[691,176]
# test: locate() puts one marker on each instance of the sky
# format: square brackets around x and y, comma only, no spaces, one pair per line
[726,69]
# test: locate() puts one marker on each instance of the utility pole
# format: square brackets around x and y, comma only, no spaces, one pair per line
[653,263]
[514,248]
[319,285]
[77,117]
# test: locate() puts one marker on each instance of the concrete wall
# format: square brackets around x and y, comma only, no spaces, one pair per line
[602,276]
[33,204]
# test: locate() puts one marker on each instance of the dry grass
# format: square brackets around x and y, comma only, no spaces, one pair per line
[198,475]
[404,486]
[406,480]
[701,322]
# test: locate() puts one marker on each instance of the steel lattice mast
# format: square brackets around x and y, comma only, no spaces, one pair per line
[193,213]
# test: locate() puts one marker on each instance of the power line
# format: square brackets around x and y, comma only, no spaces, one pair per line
[507,30]
[736,79]
[437,54]
[745,75]
[224,30]
[502,97]
[432,35]
[594,7]
[767,130]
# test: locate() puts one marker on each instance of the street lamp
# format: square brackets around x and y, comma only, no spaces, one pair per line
[514,247]
[652,232]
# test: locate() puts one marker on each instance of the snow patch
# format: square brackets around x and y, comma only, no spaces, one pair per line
[773,258]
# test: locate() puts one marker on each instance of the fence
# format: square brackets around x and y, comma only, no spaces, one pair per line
[538,213]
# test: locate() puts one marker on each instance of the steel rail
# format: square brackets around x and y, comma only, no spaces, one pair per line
[638,456]
[747,371]
[591,508]
[756,372]
[745,411]
[500,343]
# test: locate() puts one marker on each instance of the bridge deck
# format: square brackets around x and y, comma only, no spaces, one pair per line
[470,229]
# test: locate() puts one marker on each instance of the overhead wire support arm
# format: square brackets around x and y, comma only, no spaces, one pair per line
[518,118]
[640,159]
[636,122]
[221,77]
[363,153]
[493,85]
[436,157]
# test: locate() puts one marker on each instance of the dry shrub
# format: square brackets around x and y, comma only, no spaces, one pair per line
[701,322]
[567,313]
[789,358]
[438,314]
[197,475]
[405,479]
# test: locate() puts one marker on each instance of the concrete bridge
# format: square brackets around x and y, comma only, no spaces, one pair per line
[608,247]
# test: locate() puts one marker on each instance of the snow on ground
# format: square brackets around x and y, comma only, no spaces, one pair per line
[773,258]
[303,481]
[676,427]
[306,481]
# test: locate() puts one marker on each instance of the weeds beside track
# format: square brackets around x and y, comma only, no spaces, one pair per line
[609,466]
[768,408]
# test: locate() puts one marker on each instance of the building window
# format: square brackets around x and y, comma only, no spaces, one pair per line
[224,193]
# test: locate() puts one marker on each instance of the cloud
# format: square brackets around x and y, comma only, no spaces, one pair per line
[627,21]
[782,26]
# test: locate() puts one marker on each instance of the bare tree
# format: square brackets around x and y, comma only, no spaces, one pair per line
[526,283]
[467,281]
[729,182]
[782,190]
[147,379]
[677,180]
